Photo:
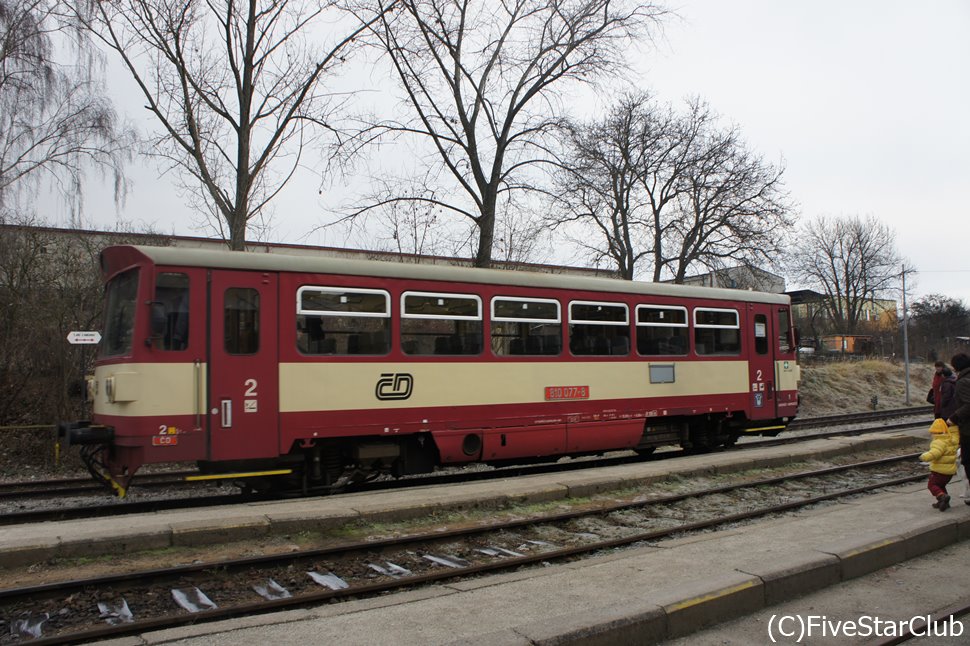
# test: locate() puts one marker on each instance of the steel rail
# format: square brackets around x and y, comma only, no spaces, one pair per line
[866,416]
[21,489]
[153,576]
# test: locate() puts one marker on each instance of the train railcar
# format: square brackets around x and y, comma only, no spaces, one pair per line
[315,372]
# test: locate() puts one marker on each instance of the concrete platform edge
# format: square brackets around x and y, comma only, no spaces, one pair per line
[698,609]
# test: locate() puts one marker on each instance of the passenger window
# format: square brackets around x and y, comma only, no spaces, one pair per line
[172,303]
[241,306]
[599,328]
[526,326]
[441,324]
[716,331]
[343,321]
[661,330]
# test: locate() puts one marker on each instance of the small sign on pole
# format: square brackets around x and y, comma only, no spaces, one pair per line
[78,337]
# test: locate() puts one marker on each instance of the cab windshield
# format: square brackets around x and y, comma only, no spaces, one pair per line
[119,317]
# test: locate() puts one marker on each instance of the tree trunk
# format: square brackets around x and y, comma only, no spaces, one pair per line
[486,233]
[237,230]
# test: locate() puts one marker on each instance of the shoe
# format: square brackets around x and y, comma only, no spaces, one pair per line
[936,505]
[944,502]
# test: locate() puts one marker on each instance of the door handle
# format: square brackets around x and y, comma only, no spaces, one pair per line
[226,406]
[198,396]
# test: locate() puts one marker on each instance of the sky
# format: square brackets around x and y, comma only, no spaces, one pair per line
[866,102]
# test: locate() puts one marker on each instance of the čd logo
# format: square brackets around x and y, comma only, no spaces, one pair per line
[394,386]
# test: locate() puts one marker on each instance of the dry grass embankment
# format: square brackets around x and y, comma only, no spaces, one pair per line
[848,386]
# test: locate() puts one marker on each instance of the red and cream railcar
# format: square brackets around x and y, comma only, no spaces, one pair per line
[329,370]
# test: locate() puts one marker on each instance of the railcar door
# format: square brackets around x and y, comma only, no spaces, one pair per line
[761,365]
[243,370]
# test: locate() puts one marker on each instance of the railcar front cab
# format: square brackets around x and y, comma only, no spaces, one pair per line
[149,382]
[188,371]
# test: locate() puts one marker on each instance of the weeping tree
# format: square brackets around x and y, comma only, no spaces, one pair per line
[55,122]
[236,88]
[483,85]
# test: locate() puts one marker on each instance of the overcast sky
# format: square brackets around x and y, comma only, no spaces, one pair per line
[867,102]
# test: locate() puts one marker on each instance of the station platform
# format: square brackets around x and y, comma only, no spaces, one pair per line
[635,596]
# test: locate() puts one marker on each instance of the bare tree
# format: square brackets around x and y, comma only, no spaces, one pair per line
[610,181]
[409,227]
[670,191]
[237,88]
[481,82]
[734,208]
[937,321]
[850,261]
[54,119]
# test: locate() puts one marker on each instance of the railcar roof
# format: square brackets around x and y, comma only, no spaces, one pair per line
[258,261]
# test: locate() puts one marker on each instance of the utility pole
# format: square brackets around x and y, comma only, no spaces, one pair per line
[905,335]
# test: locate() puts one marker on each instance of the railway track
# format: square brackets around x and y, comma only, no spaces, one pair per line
[849,418]
[23,489]
[176,479]
[136,602]
[27,489]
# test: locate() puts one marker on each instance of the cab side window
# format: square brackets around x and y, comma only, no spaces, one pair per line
[785,342]
[171,305]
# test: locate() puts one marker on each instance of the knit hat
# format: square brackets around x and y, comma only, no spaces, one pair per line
[938,426]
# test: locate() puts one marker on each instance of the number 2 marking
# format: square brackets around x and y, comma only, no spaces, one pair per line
[758,378]
[250,388]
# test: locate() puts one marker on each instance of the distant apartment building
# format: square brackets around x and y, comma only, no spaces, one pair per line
[809,306]
[818,331]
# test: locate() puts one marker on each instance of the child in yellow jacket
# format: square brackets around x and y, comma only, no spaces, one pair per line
[942,457]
